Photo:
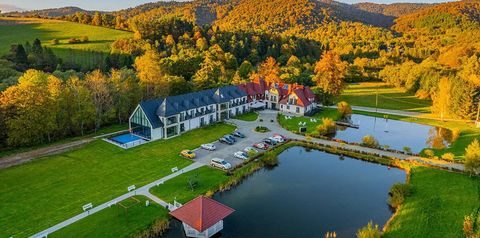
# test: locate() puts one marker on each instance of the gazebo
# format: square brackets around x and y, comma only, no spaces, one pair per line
[202,217]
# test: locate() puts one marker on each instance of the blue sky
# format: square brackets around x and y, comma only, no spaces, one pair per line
[107,5]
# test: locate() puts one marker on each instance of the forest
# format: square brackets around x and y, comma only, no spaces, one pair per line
[430,50]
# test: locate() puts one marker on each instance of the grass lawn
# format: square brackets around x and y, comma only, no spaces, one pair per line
[104,130]
[364,94]
[20,30]
[114,222]
[468,132]
[178,188]
[250,116]
[437,206]
[292,124]
[40,194]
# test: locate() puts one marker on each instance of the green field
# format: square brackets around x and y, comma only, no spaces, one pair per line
[40,194]
[251,116]
[292,124]
[116,221]
[206,178]
[468,132]
[437,206]
[364,95]
[19,30]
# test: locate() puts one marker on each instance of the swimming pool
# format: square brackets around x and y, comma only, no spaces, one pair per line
[125,138]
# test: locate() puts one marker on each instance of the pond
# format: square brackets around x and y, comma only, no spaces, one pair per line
[396,134]
[308,194]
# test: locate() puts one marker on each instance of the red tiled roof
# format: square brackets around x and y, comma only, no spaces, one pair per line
[301,96]
[309,93]
[202,213]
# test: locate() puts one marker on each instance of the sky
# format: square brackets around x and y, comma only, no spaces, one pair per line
[110,5]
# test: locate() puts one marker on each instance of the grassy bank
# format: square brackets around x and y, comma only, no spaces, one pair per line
[292,124]
[117,221]
[250,116]
[437,206]
[95,173]
[468,132]
[364,95]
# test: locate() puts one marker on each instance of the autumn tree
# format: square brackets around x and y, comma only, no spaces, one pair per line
[472,157]
[442,99]
[329,74]
[269,70]
[100,88]
[150,73]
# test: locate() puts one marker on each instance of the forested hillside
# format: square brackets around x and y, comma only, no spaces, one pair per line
[394,9]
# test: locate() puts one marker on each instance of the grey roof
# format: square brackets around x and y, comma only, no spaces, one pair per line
[175,104]
[149,107]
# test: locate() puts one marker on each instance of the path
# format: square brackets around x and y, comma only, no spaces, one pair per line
[139,191]
[28,156]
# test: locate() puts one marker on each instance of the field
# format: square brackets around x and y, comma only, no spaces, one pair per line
[364,95]
[95,173]
[251,116]
[292,124]
[19,30]
[116,221]
[437,206]
[468,132]
[178,188]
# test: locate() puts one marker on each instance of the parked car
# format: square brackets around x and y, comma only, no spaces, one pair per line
[276,139]
[268,141]
[238,134]
[280,136]
[232,138]
[226,140]
[250,149]
[220,163]
[240,155]
[210,147]
[188,154]
[261,145]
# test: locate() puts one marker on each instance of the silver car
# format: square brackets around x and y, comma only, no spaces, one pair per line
[210,147]
[220,163]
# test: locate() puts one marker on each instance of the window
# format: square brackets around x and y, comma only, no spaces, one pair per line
[139,124]
[298,109]
[172,131]
[171,120]
[182,127]
[288,107]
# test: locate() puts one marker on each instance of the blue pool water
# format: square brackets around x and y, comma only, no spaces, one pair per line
[125,138]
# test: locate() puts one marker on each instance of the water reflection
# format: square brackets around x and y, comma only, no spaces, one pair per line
[396,134]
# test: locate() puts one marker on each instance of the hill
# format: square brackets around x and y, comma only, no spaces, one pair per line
[51,12]
[394,9]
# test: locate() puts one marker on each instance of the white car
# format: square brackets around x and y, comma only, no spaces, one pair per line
[240,155]
[278,139]
[250,149]
[210,147]
[220,163]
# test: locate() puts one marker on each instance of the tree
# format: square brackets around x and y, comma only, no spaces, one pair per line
[126,93]
[370,231]
[211,74]
[329,74]
[270,70]
[79,106]
[472,157]
[328,127]
[100,88]
[151,76]
[97,19]
[370,141]
[441,99]
[344,109]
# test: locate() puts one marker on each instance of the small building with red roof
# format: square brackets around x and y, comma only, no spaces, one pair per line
[202,217]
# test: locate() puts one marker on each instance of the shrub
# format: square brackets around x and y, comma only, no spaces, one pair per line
[84,39]
[398,192]
[455,134]
[472,157]
[270,159]
[370,231]
[429,153]
[55,42]
[407,149]
[327,127]
[158,227]
[344,109]
[448,157]
[73,41]
[370,141]
[261,129]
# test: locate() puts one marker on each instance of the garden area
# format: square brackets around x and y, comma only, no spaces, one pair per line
[95,173]
[249,116]
[310,123]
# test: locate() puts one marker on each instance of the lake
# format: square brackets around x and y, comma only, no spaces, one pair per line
[396,134]
[308,194]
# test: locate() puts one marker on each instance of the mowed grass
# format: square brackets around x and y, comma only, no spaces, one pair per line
[292,124]
[207,179]
[364,95]
[437,206]
[45,192]
[115,221]
[250,116]
[19,30]
[468,132]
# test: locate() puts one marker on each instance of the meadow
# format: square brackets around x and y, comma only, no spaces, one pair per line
[94,174]
[292,124]
[21,30]
[365,94]
[437,206]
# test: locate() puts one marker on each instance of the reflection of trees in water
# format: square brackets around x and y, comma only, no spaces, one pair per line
[439,137]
